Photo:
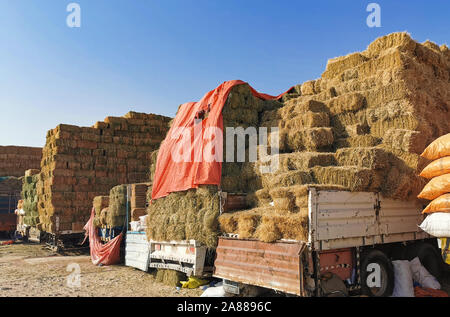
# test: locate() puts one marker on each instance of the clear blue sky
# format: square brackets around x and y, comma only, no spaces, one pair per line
[152,55]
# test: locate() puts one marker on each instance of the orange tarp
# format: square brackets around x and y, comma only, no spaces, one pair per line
[173,175]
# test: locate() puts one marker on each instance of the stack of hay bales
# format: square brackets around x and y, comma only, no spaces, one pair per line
[80,163]
[138,200]
[193,214]
[15,160]
[30,197]
[117,209]
[360,127]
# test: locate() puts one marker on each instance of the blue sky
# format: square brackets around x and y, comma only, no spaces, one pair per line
[153,55]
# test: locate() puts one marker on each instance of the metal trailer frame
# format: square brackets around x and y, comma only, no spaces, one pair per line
[188,257]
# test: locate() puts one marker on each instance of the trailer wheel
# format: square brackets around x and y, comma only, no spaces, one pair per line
[374,261]
[429,256]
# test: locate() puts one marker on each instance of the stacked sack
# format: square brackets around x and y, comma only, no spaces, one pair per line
[438,189]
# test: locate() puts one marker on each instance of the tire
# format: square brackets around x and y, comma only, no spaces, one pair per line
[429,256]
[386,274]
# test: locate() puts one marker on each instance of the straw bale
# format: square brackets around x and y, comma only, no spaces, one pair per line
[265,224]
[357,141]
[348,102]
[336,66]
[308,88]
[304,160]
[400,40]
[99,203]
[310,139]
[370,157]
[309,120]
[405,140]
[185,215]
[352,177]
[287,179]
[170,277]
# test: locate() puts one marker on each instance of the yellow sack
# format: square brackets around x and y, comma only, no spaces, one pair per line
[193,282]
[436,187]
[438,148]
[437,168]
[445,247]
[440,204]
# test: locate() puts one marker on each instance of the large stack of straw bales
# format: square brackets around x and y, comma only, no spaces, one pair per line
[30,197]
[360,127]
[138,200]
[193,214]
[80,163]
[15,160]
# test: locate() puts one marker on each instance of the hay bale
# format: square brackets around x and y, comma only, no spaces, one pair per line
[401,40]
[352,177]
[117,209]
[310,139]
[247,224]
[185,215]
[99,203]
[265,224]
[170,277]
[275,227]
[357,141]
[308,88]
[305,160]
[345,103]
[287,179]
[405,140]
[308,120]
[338,65]
[30,198]
[370,157]
[283,199]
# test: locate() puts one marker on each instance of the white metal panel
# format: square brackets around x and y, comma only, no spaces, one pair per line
[339,219]
[176,255]
[137,251]
[345,215]
[398,216]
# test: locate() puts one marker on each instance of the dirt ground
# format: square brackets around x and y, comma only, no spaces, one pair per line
[32,270]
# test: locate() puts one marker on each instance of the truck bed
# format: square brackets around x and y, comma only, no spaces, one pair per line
[338,220]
